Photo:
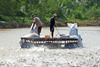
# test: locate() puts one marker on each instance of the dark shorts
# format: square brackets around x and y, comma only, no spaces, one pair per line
[51,29]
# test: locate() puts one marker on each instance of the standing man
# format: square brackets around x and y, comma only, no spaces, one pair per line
[36,25]
[52,24]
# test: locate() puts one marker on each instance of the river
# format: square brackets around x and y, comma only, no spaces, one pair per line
[9,38]
[12,56]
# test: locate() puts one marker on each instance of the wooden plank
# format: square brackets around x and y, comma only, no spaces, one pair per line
[50,39]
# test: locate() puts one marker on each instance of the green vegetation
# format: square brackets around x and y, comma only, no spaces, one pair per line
[18,13]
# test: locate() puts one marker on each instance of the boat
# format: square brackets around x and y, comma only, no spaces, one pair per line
[69,41]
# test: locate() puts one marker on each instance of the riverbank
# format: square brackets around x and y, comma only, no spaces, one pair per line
[80,23]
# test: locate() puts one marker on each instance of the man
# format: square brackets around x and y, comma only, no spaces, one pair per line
[36,25]
[52,24]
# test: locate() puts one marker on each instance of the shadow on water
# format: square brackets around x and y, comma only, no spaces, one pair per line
[50,46]
[26,45]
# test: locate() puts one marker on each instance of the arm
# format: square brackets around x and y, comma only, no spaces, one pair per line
[32,26]
[33,22]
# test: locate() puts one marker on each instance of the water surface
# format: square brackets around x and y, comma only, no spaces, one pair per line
[9,38]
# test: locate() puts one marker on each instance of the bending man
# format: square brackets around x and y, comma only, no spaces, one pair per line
[37,24]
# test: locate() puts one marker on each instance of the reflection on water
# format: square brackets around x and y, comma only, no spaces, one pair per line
[10,38]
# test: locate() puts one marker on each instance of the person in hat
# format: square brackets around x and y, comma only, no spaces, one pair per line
[36,25]
[52,24]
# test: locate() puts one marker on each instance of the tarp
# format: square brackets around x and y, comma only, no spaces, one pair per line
[73,29]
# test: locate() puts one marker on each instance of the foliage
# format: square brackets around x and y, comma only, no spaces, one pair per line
[21,11]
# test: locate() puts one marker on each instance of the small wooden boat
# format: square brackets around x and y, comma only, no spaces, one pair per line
[36,40]
[73,39]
